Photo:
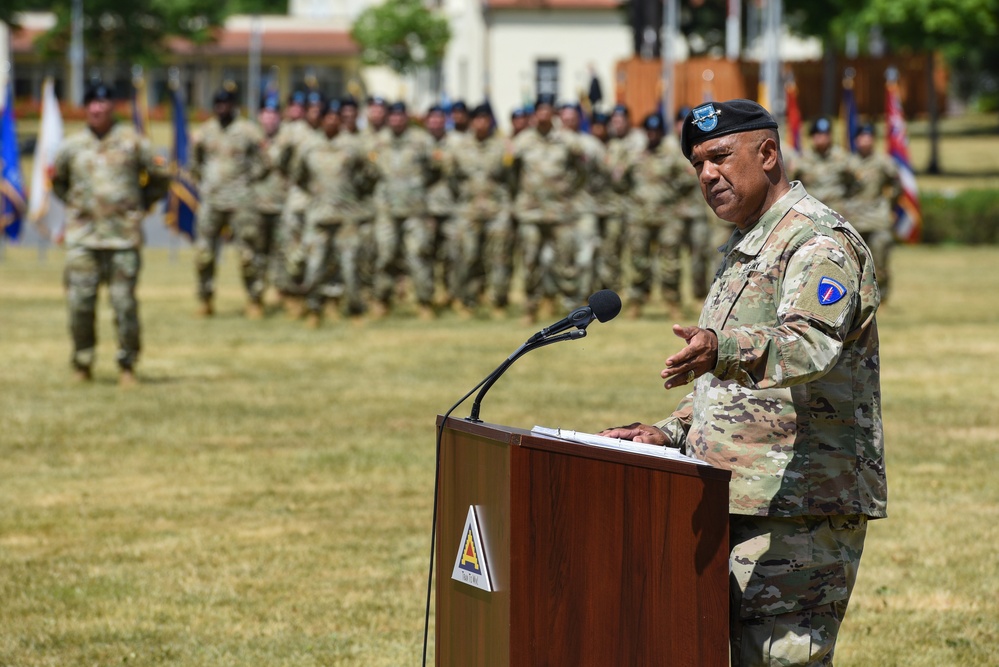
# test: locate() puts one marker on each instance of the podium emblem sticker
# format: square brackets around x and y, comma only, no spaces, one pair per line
[471,565]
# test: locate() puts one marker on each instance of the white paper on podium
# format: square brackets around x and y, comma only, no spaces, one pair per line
[618,444]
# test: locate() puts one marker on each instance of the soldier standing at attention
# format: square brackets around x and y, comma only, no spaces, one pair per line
[107,177]
[335,171]
[870,208]
[608,169]
[549,169]
[520,120]
[377,115]
[227,163]
[584,207]
[440,201]
[480,176]
[269,195]
[460,119]
[697,233]
[785,392]
[402,229]
[825,169]
[661,178]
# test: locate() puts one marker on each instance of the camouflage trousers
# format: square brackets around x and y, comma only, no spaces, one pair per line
[332,253]
[215,226]
[880,242]
[290,254]
[86,269]
[549,255]
[444,250]
[404,248]
[598,257]
[650,244]
[791,580]
[483,259]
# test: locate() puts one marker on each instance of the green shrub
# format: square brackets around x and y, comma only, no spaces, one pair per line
[970,217]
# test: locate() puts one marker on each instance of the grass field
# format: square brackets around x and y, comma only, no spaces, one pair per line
[264,497]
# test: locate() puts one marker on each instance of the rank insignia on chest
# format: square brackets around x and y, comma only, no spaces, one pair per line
[830,291]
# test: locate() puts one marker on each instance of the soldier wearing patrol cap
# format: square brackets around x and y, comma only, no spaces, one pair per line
[784,374]
[107,176]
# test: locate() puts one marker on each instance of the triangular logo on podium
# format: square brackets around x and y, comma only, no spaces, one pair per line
[471,565]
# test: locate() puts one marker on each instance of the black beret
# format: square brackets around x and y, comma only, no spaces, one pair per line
[717,119]
[653,122]
[821,126]
[482,110]
[866,128]
[397,107]
[97,91]
[545,98]
[377,100]
[459,106]
[621,109]
[315,97]
[348,101]
[223,95]
[296,97]
[436,108]
[600,118]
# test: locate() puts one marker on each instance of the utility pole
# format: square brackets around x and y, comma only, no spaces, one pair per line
[76,54]
[671,22]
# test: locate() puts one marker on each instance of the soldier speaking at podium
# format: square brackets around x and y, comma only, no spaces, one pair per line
[785,391]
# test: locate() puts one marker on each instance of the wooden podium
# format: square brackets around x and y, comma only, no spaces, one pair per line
[595,556]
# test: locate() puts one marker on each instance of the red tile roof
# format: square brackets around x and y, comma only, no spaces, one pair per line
[553,4]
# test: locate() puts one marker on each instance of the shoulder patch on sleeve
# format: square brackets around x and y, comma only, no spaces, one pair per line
[826,294]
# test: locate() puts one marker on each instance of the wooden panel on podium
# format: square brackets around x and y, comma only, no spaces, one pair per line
[598,557]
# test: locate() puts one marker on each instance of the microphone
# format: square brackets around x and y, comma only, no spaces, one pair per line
[603,306]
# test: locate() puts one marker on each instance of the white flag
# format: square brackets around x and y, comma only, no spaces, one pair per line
[43,210]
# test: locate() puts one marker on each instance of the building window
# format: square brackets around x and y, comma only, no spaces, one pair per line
[547,77]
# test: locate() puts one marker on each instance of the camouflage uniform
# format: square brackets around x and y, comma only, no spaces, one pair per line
[337,175]
[793,409]
[663,186]
[402,229]
[102,180]
[608,178]
[367,252]
[440,206]
[269,195]
[869,210]
[290,251]
[479,173]
[548,170]
[584,204]
[227,162]
[827,176]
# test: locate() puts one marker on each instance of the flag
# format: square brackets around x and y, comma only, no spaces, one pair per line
[11,186]
[850,113]
[140,104]
[181,206]
[793,113]
[40,204]
[908,218]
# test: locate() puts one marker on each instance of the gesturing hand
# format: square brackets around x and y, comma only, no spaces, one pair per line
[698,357]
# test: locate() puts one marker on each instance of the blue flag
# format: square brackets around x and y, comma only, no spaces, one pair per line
[181,206]
[12,203]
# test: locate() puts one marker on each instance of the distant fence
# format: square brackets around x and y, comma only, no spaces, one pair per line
[638,83]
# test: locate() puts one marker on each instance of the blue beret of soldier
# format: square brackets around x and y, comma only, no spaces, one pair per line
[821,126]
[331,106]
[436,108]
[653,122]
[459,106]
[270,102]
[865,128]
[315,97]
[622,110]
[98,91]
[717,119]
[599,119]
[296,97]
[397,107]
[519,112]
[545,98]
[348,101]
[682,113]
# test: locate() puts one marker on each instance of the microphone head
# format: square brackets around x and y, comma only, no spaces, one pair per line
[605,304]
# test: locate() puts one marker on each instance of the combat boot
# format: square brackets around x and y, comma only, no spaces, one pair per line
[425,312]
[82,374]
[127,378]
[254,311]
[312,320]
[206,309]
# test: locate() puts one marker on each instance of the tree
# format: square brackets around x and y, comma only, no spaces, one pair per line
[951,27]
[402,34]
